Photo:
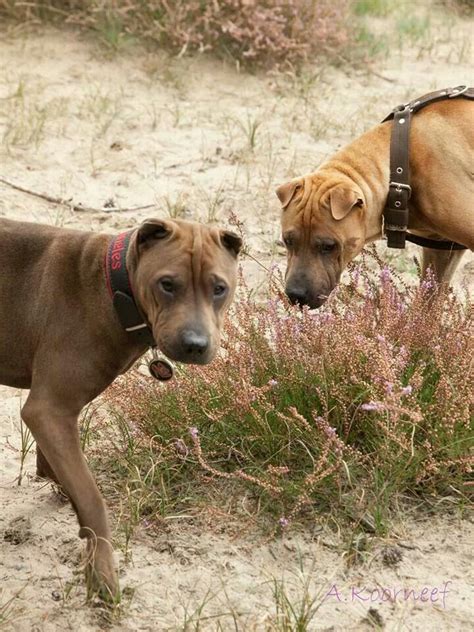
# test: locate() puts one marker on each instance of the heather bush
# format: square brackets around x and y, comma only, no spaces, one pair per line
[308,413]
[252,32]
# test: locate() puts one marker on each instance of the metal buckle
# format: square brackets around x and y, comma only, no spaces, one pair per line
[456,92]
[399,186]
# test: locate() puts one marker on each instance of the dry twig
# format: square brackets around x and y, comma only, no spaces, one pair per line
[69,203]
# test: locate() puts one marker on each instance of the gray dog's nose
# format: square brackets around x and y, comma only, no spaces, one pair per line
[194,343]
[297,295]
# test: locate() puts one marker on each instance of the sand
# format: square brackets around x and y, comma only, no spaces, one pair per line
[138,129]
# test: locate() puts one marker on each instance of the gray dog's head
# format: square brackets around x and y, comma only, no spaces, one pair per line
[184,276]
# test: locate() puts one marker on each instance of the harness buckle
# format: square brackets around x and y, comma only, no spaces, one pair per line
[399,186]
[456,92]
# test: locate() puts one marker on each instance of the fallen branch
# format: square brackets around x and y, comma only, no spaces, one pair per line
[69,203]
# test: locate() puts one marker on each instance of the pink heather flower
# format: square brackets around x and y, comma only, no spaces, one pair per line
[356,275]
[428,282]
[326,317]
[372,406]
[385,274]
[181,446]
[272,383]
[194,432]
[380,338]
[329,431]
[283,522]
[407,390]
[388,387]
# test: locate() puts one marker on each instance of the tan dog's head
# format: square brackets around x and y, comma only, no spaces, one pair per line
[323,229]
[184,277]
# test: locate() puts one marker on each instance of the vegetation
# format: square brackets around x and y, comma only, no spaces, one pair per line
[250,32]
[337,413]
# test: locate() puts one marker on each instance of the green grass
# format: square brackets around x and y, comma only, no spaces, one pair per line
[370,44]
[379,8]
[112,33]
[413,28]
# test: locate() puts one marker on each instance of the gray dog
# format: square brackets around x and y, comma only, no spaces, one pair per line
[79,308]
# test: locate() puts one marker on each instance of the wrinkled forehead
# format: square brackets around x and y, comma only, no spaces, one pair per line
[306,209]
[309,218]
[192,250]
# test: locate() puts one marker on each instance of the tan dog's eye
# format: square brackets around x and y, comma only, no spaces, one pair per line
[327,247]
[288,240]
[219,290]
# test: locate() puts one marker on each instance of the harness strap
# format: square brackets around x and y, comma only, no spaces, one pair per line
[121,291]
[399,190]
[434,243]
[434,97]
[396,213]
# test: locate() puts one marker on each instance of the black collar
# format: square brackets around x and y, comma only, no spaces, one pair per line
[121,291]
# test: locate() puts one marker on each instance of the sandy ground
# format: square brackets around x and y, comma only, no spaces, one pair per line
[141,129]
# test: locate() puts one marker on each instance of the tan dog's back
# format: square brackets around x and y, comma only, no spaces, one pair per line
[442,168]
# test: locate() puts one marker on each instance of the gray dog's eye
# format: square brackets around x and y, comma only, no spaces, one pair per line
[167,285]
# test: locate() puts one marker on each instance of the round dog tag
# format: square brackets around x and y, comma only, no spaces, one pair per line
[161,370]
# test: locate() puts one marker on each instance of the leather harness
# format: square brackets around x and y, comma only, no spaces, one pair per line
[396,214]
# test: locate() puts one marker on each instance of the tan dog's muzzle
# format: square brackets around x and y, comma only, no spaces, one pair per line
[319,222]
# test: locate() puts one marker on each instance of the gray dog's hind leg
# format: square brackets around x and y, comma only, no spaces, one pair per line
[43,468]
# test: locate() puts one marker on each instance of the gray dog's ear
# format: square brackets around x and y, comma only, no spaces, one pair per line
[287,191]
[342,200]
[231,241]
[152,229]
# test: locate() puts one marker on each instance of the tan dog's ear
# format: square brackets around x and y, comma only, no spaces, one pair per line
[342,200]
[287,191]
[151,230]
[231,241]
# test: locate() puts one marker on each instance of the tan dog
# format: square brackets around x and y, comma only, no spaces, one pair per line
[328,216]
[61,336]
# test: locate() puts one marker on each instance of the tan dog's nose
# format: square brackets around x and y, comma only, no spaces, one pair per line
[297,295]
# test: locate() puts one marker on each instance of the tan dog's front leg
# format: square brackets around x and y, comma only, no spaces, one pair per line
[57,436]
[442,262]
